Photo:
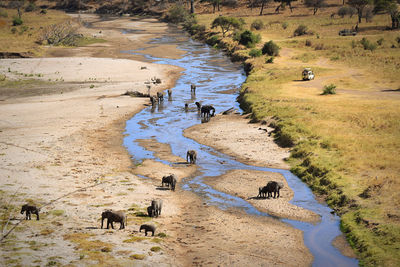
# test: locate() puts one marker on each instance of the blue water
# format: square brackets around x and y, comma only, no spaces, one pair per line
[212,72]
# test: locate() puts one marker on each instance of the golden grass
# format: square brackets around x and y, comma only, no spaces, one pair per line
[345,146]
[26,35]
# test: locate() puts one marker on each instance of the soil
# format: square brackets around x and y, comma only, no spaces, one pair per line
[63,151]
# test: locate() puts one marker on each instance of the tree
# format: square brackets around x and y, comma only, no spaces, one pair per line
[227,23]
[262,5]
[359,5]
[191,6]
[314,4]
[394,13]
[18,4]
[215,4]
[285,2]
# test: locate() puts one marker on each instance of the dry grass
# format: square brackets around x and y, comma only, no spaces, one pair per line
[345,145]
[26,35]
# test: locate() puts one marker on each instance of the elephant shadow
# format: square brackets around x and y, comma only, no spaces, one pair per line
[91,227]
[162,188]
[257,198]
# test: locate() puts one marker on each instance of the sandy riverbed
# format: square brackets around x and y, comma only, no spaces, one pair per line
[66,145]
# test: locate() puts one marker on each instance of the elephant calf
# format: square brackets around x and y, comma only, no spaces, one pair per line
[113,216]
[156,206]
[147,228]
[191,156]
[29,209]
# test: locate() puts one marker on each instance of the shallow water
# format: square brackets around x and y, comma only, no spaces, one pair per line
[213,73]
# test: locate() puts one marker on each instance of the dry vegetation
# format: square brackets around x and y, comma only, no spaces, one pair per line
[343,145]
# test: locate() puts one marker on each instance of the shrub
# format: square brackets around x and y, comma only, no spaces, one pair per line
[367,44]
[353,44]
[271,49]
[213,40]
[249,39]
[285,25]
[230,3]
[269,60]
[3,14]
[308,43]
[155,249]
[17,21]
[398,39]
[60,34]
[329,89]
[13,30]
[301,30]
[380,41]
[177,14]
[30,7]
[319,47]
[255,52]
[257,25]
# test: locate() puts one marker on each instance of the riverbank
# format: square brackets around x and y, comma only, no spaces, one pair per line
[62,122]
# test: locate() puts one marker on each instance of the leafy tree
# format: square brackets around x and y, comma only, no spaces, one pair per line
[17,4]
[359,5]
[314,4]
[285,2]
[263,4]
[392,9]
[215,4]
[227,23]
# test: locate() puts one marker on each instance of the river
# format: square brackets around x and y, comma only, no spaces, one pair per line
[214,74]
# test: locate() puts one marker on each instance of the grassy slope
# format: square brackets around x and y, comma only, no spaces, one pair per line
[345,144]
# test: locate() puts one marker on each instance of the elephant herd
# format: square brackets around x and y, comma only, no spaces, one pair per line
[206,111]
[271,187]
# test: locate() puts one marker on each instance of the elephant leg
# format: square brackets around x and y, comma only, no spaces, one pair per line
[112,225]
[108,223]
[153,233]
[145,232]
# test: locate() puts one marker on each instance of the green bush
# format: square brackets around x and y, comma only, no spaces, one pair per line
[3,14]
[301,30]
[177,14]
[249,39]
[329,89]
[367,44]
[271,49]
[30,7]
[227,24]
[269,60]
[213,40]
[13,30]
[285,24]
[380,41]
[257,25]
[308,43]
[255,52]
[398,39]
[17,21]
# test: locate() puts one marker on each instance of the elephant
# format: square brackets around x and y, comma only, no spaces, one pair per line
[150,211]
[193,88]
[169,95]
[160,97]
[191,156]
[29,209]
[156,206]
[273,187]
[262,192]
[113,216]
[198,106]
[205,111]
[170,180]
[147,228]
[186,107]
[153,100]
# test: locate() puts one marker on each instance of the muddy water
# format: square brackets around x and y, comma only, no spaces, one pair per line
[213,73]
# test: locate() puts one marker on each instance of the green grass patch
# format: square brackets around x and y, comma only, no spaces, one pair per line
[155,249]
[134,239]
[137,256]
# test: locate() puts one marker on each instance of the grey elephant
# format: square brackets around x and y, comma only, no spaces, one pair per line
[186,107]
[156,206]
[160,97]
[198,106]
[147,228]
[262,192]
[153,100]
[29,209]
[169,180]
[273,187]
[150,211]
[206,111]
[191,156]
[113,216]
